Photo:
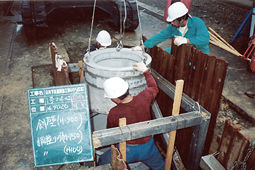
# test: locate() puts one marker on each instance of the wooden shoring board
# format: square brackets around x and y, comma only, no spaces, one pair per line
[180,62]
[155,58]
[198,83]
[164,62]
[174,49]
[190,70]
[187,69]
[198,135]
[158,58]
[170,70]
[161,63]
[217,85]
[168,88]
[208,80]
[201,83]
[176,61]
[165,100]
[203,78]
[233,146]
[189,60]
[213,103]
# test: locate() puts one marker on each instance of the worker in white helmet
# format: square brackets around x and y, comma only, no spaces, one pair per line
[184,28]
[135,109]
[103,41]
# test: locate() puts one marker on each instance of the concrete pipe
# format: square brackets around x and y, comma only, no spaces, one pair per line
[103,64]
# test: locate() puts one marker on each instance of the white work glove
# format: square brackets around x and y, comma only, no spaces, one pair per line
[59,62]
[180,40]
[140,67]
[137,48]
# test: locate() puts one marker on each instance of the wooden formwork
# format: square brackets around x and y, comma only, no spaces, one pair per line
[236,148]
[204,77]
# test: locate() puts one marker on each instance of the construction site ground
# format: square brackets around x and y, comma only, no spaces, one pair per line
[25,63]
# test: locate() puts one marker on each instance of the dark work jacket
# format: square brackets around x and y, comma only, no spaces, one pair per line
[137,110]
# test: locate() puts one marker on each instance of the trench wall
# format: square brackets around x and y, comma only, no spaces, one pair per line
[203,77]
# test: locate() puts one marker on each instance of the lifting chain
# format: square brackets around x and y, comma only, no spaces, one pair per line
[243,163]
[91,28]
[141,32]
[140,25]
[122,25]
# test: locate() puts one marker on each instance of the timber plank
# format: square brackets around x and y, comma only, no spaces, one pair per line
[155,59]
[218,82]
[213,102]
[196,78]
[192,70]
[233,146]
[198,86]
[225,142]
[187,70]
[179,67]
[174,49]
[236,150]
[170,69]
[205,98]
[203,77]
[163,62]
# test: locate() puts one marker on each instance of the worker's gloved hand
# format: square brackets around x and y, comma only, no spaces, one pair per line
[140,67]
[137,48]
[180,40]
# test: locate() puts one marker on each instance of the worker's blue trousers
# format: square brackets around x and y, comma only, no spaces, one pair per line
[147,153]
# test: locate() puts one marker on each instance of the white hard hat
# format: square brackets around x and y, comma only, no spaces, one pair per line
[176,10]
[104,38]
[115,87]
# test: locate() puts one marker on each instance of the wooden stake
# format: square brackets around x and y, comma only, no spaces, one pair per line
[123,122]
[175,111]
[81,72]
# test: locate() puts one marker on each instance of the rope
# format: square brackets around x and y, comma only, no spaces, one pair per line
[140,25]
[91,28]
[122,25]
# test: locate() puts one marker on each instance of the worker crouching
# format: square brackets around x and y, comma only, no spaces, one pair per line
[183,28]
[103,40]
[135,109]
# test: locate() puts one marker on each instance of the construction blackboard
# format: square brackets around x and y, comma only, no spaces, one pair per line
[60,125]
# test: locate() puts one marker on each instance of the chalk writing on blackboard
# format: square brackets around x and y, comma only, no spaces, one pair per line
[60,125]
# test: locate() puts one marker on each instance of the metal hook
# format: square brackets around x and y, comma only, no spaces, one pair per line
[119,46]
[198,105]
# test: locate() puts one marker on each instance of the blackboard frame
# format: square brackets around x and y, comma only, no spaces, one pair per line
[59,119]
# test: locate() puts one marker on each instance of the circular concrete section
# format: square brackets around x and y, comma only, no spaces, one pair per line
[103,64]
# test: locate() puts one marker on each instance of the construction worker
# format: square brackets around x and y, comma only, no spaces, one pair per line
[103,41]
[184,28]
[134,109]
